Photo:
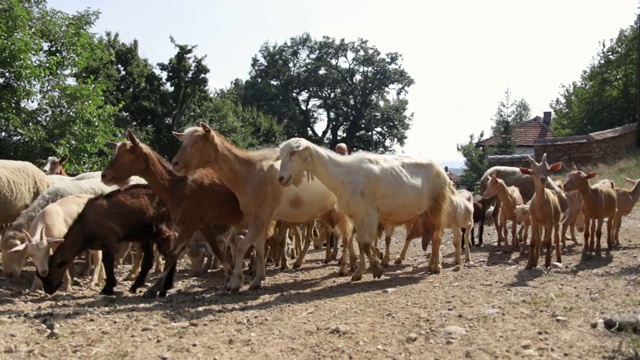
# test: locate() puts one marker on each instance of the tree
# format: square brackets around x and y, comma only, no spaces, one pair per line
[508,115]
[605,95]
[475,161]
[44,108]
[328,90]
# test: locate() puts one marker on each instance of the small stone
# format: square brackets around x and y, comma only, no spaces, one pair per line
[455,331]
[53,335]
[492,311]
[594,324]
[146,328]
[449,341]
[339,330]
[561,319]
[412,337]
[526,344]
[389,291]
[556,265]
[164,357]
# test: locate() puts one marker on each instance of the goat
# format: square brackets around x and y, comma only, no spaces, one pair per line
[133,214]
[544,211]
[510,198]
[598,202]
[253,177]
[195,203]
[626,201]
[373,189]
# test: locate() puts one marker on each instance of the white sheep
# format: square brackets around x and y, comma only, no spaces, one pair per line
[13,262]
[20,184]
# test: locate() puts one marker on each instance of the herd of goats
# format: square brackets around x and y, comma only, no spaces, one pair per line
[226,206]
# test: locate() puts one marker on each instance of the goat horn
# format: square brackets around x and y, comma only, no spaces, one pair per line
[544,158]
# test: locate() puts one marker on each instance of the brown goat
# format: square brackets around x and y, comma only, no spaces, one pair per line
[545,212]
[510,198]
[598,202]
[194,204]
[133,214]
[627,200]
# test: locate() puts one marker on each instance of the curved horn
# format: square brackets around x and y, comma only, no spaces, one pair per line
[28,236]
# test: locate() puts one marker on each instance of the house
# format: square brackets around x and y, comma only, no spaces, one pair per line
[538,128]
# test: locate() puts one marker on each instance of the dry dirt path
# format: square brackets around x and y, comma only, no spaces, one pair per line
[491,309]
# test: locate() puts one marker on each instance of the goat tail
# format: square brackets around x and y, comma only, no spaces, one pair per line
[433,224]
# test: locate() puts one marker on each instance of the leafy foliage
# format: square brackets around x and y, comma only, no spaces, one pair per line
[330,91]
[605,95]
[475,161]
[508,115]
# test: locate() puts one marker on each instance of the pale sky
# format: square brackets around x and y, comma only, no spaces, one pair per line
[463,55]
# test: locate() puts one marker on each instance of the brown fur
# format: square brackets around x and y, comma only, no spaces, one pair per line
[195,204]
[133,214]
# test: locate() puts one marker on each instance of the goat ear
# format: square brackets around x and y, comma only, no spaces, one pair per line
[544,159]
[63,158]
[43,236]
[40,161]
[531,160]
[590,175]
[555,167]
[630,181]
[525,171]
[112,145]
[134,140]
[205,127]
[277,158]
[18,248]
[180,136]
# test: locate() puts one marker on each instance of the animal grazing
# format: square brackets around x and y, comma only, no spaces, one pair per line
[544,212]
[131,214]
[13,262]
[599,201]
[374,189]
[195,203]
[253,177]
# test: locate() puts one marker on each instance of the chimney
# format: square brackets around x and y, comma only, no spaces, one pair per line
[546,118]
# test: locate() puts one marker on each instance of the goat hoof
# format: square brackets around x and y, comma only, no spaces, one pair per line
[163,293]
[107,292]
[356,277]
[398,262]
[296,265]
[377,272]
[150,294]
[133,290]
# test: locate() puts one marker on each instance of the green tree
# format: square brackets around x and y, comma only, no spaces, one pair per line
[328,90]
[44,108]
[508,115]
[605,95]
[475,161]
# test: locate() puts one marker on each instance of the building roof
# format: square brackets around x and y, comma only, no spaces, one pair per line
[525,133]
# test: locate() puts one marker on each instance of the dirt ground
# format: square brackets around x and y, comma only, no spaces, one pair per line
[490,309]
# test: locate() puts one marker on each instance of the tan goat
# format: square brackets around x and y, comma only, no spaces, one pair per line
[627,200]
[599,202]
[544,211]
[510,198]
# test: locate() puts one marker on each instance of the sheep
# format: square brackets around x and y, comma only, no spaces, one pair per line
[253,177]
[544,211]
[20,184]
[626,201]
[510,198]
[599,201]
[373,189]
[131,214]
[13,263]
[46,231]
[459,219]
[512,177]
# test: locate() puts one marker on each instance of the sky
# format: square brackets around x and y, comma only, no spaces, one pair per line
[463,55]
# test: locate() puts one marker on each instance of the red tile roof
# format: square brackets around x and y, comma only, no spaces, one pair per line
[525,133]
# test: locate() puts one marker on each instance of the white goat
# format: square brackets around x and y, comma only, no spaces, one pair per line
[374,189]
